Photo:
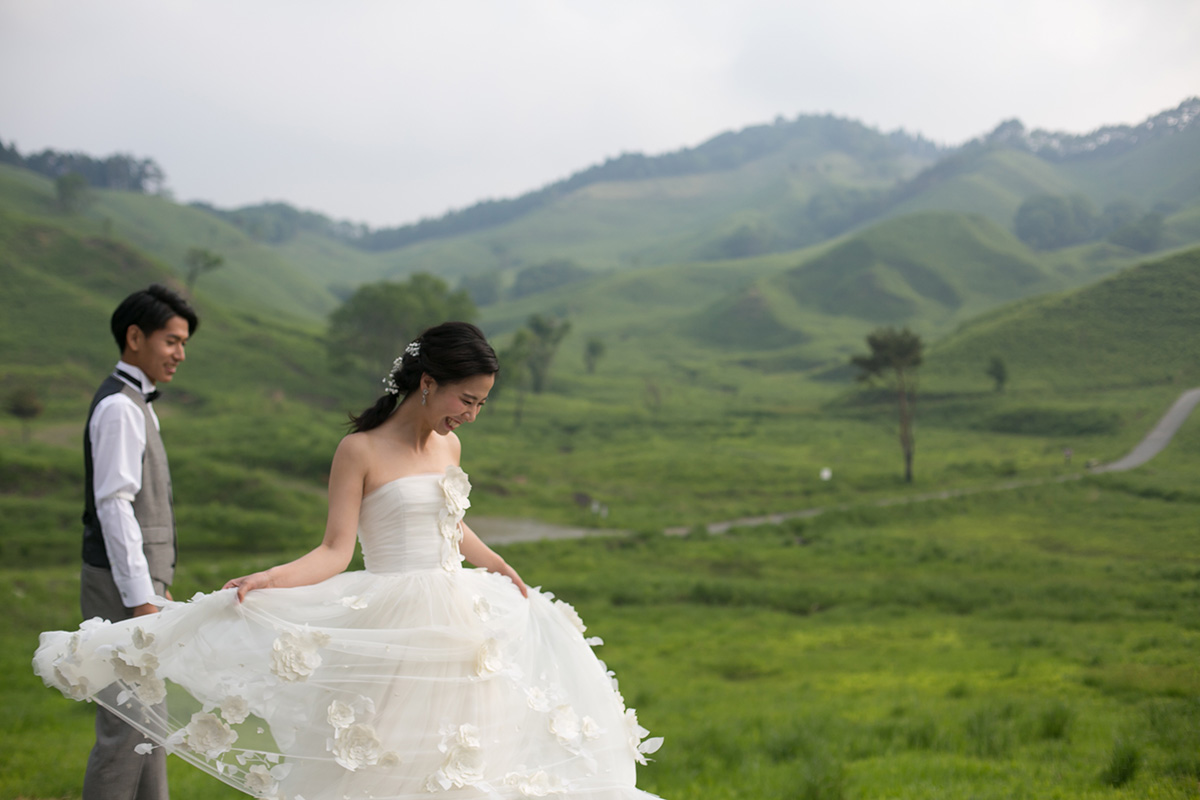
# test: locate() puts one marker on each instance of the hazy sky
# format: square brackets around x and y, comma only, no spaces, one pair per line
[385,111]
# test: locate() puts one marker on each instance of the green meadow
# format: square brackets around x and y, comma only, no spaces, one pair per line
[1036,642]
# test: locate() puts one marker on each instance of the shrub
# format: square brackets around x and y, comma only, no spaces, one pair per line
[1123,763]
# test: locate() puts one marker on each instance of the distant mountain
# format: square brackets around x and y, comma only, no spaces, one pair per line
[1107,141]
[727,151]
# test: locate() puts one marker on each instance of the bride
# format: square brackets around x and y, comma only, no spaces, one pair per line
[413,678]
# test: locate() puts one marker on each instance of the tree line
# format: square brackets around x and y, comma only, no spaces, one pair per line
[118,171]
[1048,222]
[372,326]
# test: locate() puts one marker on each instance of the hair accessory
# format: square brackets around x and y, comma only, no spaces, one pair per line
[389,383]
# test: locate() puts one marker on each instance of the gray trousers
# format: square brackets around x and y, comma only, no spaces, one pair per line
[114,770]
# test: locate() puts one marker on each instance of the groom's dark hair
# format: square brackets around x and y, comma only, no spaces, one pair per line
[151,309]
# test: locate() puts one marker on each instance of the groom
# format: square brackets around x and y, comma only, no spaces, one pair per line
[128,521]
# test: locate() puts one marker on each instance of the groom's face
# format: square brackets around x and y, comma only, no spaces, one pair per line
[159,354]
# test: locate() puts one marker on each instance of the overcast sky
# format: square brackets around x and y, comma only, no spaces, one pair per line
[385,111]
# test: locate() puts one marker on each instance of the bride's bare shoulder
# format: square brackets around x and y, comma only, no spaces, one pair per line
[355,447]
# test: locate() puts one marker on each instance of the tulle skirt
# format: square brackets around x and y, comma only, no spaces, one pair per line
[368,685]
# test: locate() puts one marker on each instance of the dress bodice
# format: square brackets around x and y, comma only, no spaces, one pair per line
[412,523]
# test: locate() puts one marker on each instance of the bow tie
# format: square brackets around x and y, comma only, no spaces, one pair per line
[150,398]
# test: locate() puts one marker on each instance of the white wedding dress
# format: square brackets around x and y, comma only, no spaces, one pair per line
[415,678]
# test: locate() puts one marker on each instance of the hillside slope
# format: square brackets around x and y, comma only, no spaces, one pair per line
[60,289]
[1139,326]
[255,276]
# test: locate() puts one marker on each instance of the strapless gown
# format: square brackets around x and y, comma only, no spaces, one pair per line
[415,678]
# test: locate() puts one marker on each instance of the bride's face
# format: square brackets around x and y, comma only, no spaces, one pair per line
[453,404]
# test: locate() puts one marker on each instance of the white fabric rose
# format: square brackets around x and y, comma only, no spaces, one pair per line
[294,655]
[457,488]
[535,784]
[356,746]
[463,765]
[591,729]
[132,666]
[538,699]
[340,715]
[141,639]
[207,735]
[565,725]
[151,690]
[488,660]
[260,781]
[483,608]
[235,709]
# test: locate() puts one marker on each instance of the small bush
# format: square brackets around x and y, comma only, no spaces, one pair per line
[1054,722]
[1123,763]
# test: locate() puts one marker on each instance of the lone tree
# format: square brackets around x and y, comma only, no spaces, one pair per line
[998,372]
[548,333]
[895,355]
[25,405]
[200,261]
[371,328]
[592,353]
[515,374]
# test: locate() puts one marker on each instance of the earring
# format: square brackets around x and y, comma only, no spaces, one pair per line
[424,394]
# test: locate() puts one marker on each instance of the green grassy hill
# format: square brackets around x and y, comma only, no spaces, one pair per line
[1139,326]
[254,276]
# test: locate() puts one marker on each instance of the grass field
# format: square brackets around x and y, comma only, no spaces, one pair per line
[1035,643]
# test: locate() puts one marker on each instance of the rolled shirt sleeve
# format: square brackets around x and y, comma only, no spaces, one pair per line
[118,435]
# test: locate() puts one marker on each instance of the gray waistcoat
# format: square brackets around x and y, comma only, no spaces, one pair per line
[152,507]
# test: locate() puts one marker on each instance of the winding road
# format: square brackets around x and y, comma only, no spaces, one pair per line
[496,530]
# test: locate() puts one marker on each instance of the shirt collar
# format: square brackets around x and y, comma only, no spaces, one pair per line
[146,386]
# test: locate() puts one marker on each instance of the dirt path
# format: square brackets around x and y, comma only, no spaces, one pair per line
[501,531]
[1159,437]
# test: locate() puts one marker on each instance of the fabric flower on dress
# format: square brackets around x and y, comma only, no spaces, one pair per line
[151,690]
[260,781]
[538,783]
[571,614]
[537,698]
[456,488]
[356,746]
[205,735]
[483,608]
[294,655]
[141,639]
[636,734]
[590,728]
[463,765]
[235,709]
[566,727]
[488,660]
[132,666]
[354,602]
[340,715]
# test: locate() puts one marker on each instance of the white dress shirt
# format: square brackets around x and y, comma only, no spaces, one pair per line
[118,434]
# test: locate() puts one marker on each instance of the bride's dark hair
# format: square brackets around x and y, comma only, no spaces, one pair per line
[448,353]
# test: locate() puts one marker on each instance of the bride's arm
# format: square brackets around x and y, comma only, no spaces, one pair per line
[481,555]
[336,549]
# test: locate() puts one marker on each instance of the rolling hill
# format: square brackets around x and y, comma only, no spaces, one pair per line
[1140,326]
